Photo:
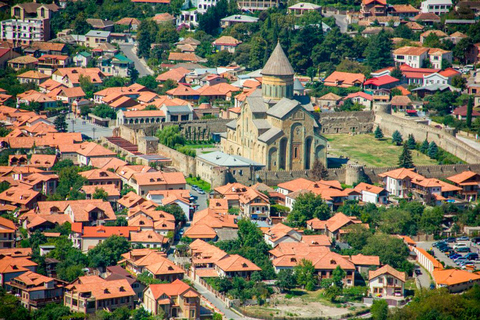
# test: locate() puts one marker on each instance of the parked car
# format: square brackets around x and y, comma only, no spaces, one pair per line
[455,256]
[472,256]
[476,240]
[459,260]
[459,245]
[200,191]
[445,248]
[451,240]
[436,244]
[418,272]
[464,238]
[463,249]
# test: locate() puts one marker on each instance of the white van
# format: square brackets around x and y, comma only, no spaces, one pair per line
[459,245]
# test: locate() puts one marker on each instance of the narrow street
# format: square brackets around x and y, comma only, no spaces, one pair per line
[140,65]
[219,304]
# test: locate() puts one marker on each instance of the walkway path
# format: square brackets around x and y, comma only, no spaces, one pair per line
[472,143]
[140,65]
[219,304]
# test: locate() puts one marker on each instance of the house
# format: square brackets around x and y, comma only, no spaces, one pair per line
[117,272]
[12,267]
[117,65]
[70,95]
[236,19]
[21,197]
[440,34]
[131,23]
[100,177]
[398,182]
[100,24]
[364,263]
[461,113]
[184,57]
[146,182]
[23,62]
[442,77]
[257,5]
[164,18]
[82,59]
[301,8]
[362,98]
[288,255]
[334,226]
[88,237]
[226,43]
[211,224]
[403,11]
[400,103]
[328,101]
[180,198]
[46,161]
[437,7]
[155,263]
[208,260]
[177,74]
[70,77]
[412,56]
[94,38]
[35,291]
[112,192]
[91,293]
[426,18]
[7,233]
[455,280]
[90,150]
[372,194]
[469,181]
[344,79]
[173,300]
[50,62]
[386,283]
[32,96]
[280,233]
[382,82]
[438,56]
[373,8]
[33,76]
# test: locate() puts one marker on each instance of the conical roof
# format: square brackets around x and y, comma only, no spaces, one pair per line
[278,64]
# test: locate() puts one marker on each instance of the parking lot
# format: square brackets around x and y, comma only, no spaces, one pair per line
[442,257]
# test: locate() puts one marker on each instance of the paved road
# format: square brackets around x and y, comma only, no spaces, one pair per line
[85,127]
[470,142]
[422,281]
[140,65]
[202,199]
[340,19]
[219,304]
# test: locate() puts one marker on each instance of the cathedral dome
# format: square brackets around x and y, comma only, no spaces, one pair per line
[278,64]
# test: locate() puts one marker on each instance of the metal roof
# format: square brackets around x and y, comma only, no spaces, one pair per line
[284,106]
[278,64]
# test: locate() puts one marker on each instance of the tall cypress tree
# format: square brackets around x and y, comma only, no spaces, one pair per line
[469,111]
[411,142]
[424,146]
[432,151]
[378,133]
[405,159]
[397,138]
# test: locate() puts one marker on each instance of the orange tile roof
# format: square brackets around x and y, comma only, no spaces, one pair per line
[462,177]
[32,74]
[182,90]
[435,262]
[363,260]
[200,231]
[344,79]
[107,163]
[33,280]
[236,263]
[106,232]
[387,269]
[130,200]
[7,225]
[227,41]
[43,160]
[173,74]
[13,265]
[101,289]
[174,289]
[19,196]
[411,51]
[110,189]
[91,149]
[317,240]
[184,56]
[147,236]
[368,187]
[400,174]
[163,267]
[15,252]
[450,277]
[159,178]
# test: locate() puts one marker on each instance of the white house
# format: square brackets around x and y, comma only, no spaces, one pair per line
[372,194]
[280,233]
[177,113]
[386,282]
[436,56]
[398,182]
[436,6]
[412,56]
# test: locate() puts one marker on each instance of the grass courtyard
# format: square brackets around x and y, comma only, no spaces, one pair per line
[367,150]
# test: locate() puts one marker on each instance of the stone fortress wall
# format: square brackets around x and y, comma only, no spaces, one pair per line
[338,122]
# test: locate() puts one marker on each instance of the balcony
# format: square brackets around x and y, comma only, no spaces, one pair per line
[43,302]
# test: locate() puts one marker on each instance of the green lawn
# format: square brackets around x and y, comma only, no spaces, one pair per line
[367,150]
[204,185]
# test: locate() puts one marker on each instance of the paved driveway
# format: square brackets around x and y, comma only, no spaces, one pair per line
[340,19]
[85,127]
[140,65]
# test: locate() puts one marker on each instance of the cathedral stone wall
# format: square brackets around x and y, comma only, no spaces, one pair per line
[347,122]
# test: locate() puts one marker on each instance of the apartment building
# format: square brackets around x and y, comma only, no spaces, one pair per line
[30,23]
[437,7]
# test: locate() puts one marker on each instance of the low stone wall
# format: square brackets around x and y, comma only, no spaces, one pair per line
[346,122]
[420,132]
[183,163]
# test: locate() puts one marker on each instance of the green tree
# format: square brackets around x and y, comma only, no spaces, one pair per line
[357,236]
[459,82]
[378,52]
[86,85]
[170,136]
[104,111]
[286,280]
[337,276]
[311,72]
[305,274]
[109,252]
[431,220]
[308,206]
[411,143]
[100,193]
[69,183]
[146,35]
[390,249]
[397,138]
[424,146]
[60,123]
[175,210]
[405,159]
[378,133]
[52,311]
[469,111]
[148,81]
[167,33]
[11,308]
[379,310]
[4,131]
[432,151]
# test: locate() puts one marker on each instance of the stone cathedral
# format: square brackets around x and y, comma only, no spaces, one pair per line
[276,127]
